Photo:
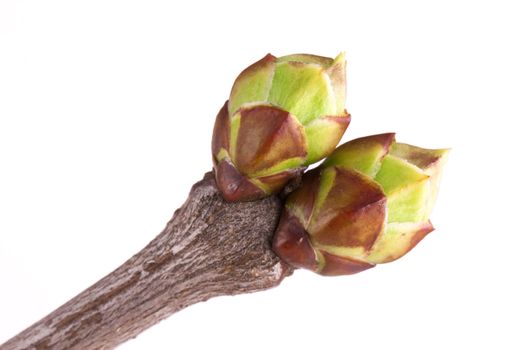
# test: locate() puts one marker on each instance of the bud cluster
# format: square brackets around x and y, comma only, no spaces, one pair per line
[368,203]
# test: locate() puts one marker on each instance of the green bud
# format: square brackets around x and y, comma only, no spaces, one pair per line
[283,114]
[368,203]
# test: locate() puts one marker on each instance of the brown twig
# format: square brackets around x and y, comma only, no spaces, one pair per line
[209,248]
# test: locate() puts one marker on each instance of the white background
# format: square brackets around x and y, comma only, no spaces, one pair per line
[106,113]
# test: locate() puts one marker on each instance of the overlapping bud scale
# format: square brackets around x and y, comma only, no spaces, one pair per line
[368,203]
[283,114]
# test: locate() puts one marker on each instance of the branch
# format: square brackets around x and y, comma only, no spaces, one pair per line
[209,248]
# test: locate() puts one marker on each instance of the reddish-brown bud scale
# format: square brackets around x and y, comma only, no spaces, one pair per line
[335,265]
[267,135]
[294,243]
[233,185]
[221,132]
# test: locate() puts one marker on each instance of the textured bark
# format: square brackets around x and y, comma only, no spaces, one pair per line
[209,248]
